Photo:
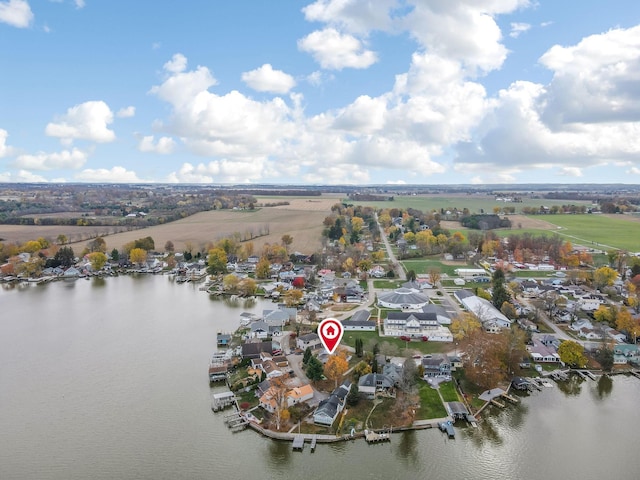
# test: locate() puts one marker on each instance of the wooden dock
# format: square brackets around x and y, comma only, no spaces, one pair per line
[314,441]
[510,398]
[298,442]
[497,403]
[586,374]
[235,421]
[373,437]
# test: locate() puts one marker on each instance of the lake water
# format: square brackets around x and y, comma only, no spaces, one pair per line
[107,379]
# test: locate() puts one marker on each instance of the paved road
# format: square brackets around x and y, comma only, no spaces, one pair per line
[559,332]
[400,273]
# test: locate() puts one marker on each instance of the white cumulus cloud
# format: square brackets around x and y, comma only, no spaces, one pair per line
[356,16]
[587,116]
[126,112]
[518,28]
[164,145]
[23,176]
[66,159]
[177,64]
[334,50]
[16,13]
[266,79]
[114,175]
[5,150]
[86,121]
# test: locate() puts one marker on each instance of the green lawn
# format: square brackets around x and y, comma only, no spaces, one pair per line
[599,231]
[390,284]
[399,346]
[448,392]
[423,265]
[430,404]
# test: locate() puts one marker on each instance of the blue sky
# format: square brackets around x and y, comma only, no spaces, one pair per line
[324,92]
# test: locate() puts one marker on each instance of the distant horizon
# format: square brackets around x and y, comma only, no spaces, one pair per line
[320,92]
[487,186]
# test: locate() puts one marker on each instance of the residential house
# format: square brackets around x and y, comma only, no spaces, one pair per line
[543,354]
[259,329]
[252,350]
[436,365]
[626,353]
[393,371]
[310,340]
[328,409]
[372,383]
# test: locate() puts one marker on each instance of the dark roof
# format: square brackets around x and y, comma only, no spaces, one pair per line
[309,337]
[252,350]
[358,323]
[361,315]
[436,309]
[464,294]
[457,408]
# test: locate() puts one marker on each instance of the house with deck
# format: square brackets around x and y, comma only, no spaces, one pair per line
[372,383]
[329,409]
[436,365]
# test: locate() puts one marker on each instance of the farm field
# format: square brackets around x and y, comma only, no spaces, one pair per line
[475,203]
[603,232]
[304,225]
[24,233]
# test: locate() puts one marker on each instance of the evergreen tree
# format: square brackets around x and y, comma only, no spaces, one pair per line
[359,347]
[315,369]
[500,293]
[374,365]
[307,356]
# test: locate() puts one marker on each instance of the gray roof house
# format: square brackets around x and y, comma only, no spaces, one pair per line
[329,408]
[436,365]
[371,383]
[311,340]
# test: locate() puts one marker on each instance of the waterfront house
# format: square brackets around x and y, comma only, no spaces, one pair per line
[626,353]
[328,409]
[372,383]
[541,353]
[252,350]
[259,329]
[436,365]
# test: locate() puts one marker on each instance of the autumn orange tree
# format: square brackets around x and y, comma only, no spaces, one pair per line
[464,325]
[627,323]
[336,366]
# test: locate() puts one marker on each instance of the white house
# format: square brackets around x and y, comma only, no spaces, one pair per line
[310,340]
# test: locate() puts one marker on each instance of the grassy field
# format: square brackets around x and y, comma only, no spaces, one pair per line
[424,265]
[599,231]
[475,203]
[398,347]
[430,403]
[448,392]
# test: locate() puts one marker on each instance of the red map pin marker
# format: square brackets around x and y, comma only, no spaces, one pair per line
[330,332]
